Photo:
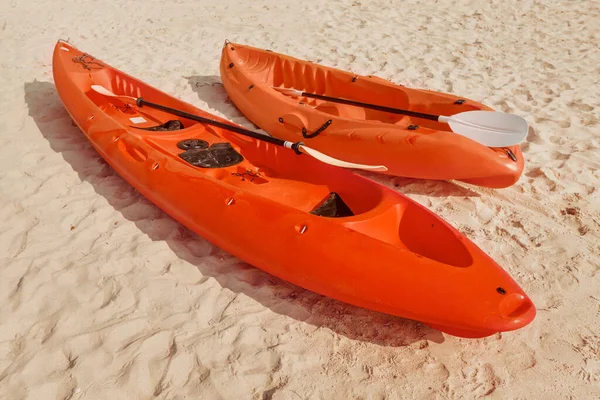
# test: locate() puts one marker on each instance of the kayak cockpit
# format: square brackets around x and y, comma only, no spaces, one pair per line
[418,230]
[123,110]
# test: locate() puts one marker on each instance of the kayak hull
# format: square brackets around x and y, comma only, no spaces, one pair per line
[320,227]
[407,146]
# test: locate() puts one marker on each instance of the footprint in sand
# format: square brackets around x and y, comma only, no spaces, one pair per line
[480,380]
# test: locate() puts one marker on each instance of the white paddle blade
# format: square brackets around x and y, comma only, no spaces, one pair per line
[102,90]
[339,163]
[490,128]
[288,91]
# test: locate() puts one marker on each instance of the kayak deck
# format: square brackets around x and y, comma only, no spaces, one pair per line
[321,227]
[406,145]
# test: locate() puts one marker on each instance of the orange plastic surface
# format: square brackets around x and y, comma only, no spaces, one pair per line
[393,255]
[357,134]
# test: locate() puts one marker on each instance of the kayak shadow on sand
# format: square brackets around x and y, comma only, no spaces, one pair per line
[211,91]
[279,296]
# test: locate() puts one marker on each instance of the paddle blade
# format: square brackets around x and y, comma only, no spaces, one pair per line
[104,91]
[339,163]
[490,128]
[288,91]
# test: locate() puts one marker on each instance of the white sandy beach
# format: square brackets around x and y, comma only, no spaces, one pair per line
[103,296]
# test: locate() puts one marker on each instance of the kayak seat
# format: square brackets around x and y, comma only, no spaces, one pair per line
[333,207]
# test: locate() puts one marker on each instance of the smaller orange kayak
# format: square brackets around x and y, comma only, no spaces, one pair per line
[259,82]
[321,227]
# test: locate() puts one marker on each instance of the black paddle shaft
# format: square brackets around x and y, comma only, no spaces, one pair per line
[373,106]
[141,102]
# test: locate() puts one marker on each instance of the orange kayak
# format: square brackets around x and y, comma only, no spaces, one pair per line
[407,146]
[321,227]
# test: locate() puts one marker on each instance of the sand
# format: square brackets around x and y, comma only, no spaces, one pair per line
[103,296]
